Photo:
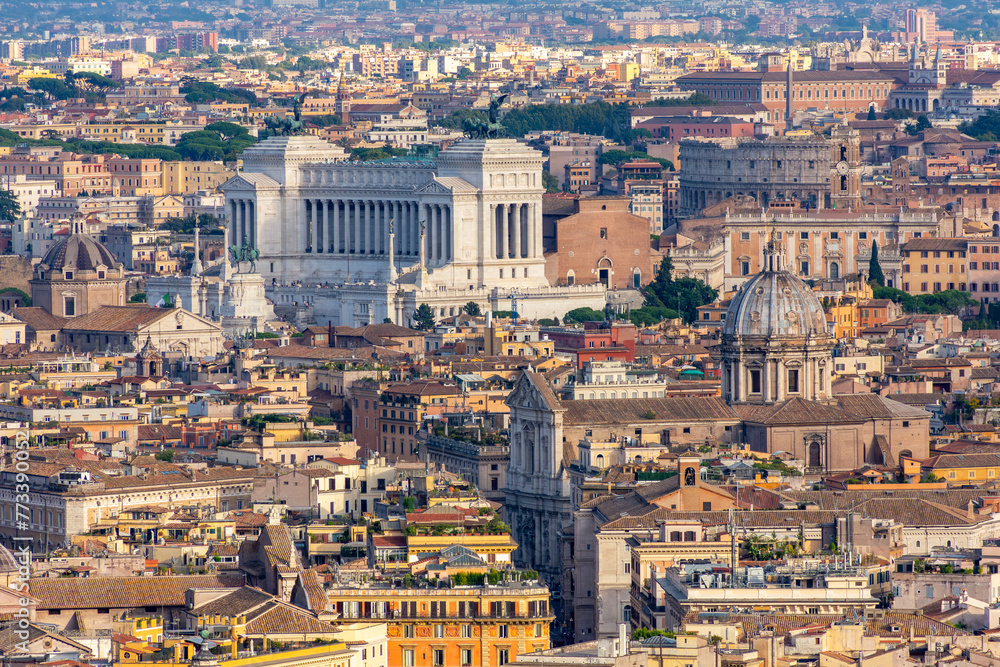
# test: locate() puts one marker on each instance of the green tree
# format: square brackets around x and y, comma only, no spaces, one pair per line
[423,318]
[166,455]
[550,182]
[695,100]
[584,314]
[227,130]
[984,128]
[409,503]
[472,309]
[871,113]
[10,208]
[922,124]
[874,268]
[139,297]
[684,294]
[54,88]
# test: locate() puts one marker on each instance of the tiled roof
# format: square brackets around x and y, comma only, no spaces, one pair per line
[794,411]
[117,318]
[315,597]
[123,592]
[285,619]
[955,498]
[873,406]
[38,319]
[944,461]
[782,624]
[237,603]
[633,410]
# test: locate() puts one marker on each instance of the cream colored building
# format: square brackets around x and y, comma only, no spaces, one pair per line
[11,329]
[186,178]
[63,506]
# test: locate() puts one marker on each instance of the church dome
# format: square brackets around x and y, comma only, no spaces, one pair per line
[81,252]
[775,303]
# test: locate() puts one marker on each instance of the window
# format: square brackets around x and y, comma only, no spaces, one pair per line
[804,236]
[754,382]
[439,630]
[407,657]
[930,591]
[69,306]
[503,656]
[466,631]
[706,506]
[408,631]
[793,381]
[466,656]
[438,657]
[502,632]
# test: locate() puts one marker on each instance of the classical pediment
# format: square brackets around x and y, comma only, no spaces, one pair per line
[449,185]
[249,182]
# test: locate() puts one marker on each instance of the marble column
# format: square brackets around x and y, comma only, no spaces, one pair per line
[252,222]
[504,232]
[438,234]
[352,227]
[241,223]
[320,225]
[516,241]
[491,233]
[429,241]
[334,218]
[449,241]
[313,224]
[532,230]
[398,227]
[233,213]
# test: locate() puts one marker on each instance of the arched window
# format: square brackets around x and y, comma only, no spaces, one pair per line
[834,271]
[636,278]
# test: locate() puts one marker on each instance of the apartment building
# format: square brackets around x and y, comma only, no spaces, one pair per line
[464,626]
[935,264]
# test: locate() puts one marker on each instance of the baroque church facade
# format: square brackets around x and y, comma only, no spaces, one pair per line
[356,243]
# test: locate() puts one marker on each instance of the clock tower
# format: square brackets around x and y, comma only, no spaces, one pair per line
[845,163]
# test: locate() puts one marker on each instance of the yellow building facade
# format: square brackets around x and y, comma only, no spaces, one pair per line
[465,626]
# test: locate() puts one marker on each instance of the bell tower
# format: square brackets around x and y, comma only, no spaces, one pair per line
[845,181]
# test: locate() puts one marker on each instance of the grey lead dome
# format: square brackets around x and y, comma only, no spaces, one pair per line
[775,303]
[80,252]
